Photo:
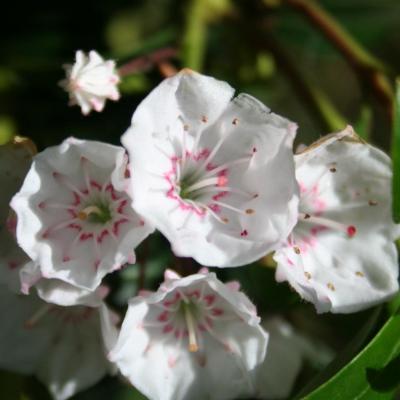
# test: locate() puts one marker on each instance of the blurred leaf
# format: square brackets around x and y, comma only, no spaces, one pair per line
[364,124]
[331,115]
[372,374]
[195,35]
[134,83]
[8,79]
[12,386]
[7,129]
[396,155]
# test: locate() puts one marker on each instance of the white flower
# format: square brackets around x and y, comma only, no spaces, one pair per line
[74,217]
[56,291]
[195,338]
[65,347]
[15,160]
[341,254]
[214,175]
[91,81]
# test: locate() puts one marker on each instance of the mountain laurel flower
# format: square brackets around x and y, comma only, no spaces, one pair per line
[15,160]
[91,81]
[195,338]
[214,175]
[56,291]
[64,347]
[341,255]
[74,216]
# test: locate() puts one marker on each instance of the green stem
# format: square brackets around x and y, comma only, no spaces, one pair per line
[194,44]
[371,70]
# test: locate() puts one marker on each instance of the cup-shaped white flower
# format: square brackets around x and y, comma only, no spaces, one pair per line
[341,254]
[195,338]
[74,217]
[91,81]
[56,291]
[65,347]
[15,160]
[214,175]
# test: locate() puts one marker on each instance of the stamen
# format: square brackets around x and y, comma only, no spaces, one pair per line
[30,323]
[248,211]
[217,181]
[190,323]
[350,230]
[227,165]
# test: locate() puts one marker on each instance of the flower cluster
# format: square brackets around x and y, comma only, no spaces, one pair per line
[216,175]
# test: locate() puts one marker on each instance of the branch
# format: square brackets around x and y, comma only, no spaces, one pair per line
[370,70]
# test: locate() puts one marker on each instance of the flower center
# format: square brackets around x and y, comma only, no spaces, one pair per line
[96,214]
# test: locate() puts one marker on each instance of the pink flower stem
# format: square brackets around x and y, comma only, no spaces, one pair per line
[143,63]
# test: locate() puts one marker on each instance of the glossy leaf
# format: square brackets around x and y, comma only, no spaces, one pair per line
[372,374]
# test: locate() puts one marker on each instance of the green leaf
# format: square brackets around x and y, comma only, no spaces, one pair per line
[372,374]
[396,154]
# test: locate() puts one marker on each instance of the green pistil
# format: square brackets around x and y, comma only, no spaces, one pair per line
[98,213]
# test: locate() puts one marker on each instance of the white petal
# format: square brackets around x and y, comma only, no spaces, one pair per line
[228,350]
[170,123]
[349,182]
[62,182]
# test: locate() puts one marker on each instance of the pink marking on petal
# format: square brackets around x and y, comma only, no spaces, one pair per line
[95,184]
[195,294]
[85,236]
[222,181]
[302,187]
[171,361]
[209,299]
[102,235]
[75,226]
[120,208]
[168,328]
[163,317]
[77,199]
[215,207]
[117,224]
[244,233]
[217,312]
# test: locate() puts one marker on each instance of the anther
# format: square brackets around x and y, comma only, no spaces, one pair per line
[250,211]
[307,275]
[332,169]
[351,230]
[372,203]
[235,121]
[204,119]
[296,250]
[359,273]
[331,286]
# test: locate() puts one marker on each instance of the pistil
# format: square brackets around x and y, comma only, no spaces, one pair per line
[190,324]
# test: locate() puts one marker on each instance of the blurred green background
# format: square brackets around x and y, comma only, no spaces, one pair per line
[271,49]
